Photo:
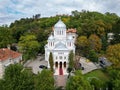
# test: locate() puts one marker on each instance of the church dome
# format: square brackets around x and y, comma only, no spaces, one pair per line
[60,24]
[51,37]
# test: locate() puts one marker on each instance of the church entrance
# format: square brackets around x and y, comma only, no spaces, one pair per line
[60,64]
[60,69]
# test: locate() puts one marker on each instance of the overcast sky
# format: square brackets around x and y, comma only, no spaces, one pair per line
[11,10]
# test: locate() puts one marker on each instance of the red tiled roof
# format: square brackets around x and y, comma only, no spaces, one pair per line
[71,30]
[7,53]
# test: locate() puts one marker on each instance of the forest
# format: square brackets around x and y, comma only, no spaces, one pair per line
[29,35]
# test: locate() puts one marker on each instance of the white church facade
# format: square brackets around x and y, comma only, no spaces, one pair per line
[60,43]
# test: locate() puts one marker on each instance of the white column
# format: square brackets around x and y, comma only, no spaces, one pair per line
[1,70]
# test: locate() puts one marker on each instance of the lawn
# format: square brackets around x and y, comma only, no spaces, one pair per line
[98,74]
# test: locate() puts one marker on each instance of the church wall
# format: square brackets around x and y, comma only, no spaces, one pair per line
[61,48]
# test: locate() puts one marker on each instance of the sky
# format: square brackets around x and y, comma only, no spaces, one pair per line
[11,10]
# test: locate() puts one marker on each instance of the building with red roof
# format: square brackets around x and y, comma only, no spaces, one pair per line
[8,57]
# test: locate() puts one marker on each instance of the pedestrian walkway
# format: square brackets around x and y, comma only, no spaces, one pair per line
[60,71]
[60,80]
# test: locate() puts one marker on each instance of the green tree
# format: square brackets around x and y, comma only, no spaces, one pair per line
[113,54]
[78,82]
[95,42]
[44,80]
[114,82]
[5,37]
[2,84]
[93,56]
[83,45]
[51,61]
[116,31]
[96,83]
[71,61]
[29,46]
[104,42]
[18,78]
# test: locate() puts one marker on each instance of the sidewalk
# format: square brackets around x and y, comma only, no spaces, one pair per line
[60,80]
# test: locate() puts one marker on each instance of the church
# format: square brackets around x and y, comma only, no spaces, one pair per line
[60,43]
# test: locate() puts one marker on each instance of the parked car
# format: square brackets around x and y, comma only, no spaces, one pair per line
[102,62]
[43,66]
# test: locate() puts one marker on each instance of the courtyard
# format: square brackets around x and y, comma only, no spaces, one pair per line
[34,64]
[88,65]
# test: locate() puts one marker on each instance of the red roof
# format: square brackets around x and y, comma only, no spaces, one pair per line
[71,30]
[7,53]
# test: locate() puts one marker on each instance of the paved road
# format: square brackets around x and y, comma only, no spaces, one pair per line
[34,64]
[88,66]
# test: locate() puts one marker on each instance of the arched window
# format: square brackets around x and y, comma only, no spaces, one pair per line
[60,57]
[65,57]
[60,32]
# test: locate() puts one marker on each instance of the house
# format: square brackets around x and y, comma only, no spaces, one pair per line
[8,57]
[60,43]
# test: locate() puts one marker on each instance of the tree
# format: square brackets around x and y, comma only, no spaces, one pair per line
[71,61]
[95,42]
[5,37]
[116,31]
[113,54]
[17,78]
[78,82]
[93,56]
[51,61]
[2,84]
[29,46]
[96,83]
[83,45]
[44,80]
[114,82]
[104,42]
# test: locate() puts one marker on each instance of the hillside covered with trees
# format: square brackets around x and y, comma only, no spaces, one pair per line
[29,35]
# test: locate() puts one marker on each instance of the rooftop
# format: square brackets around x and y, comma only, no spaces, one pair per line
[7,53]
[71,30]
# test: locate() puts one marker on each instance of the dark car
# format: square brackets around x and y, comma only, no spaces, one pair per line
[102,62]
[43,67]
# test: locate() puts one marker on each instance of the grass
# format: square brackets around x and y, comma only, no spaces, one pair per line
[98,74]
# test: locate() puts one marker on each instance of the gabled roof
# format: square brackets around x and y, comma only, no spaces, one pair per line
[7,53]
[60,46]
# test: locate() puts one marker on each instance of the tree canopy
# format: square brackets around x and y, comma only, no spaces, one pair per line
[29,46]
[78,82]
[51,61]
[17,78]
[113,54]
[44,80]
